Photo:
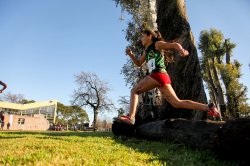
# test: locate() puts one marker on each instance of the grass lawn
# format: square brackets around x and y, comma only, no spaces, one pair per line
[99,148]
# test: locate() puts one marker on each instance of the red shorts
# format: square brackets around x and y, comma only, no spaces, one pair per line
[162,78]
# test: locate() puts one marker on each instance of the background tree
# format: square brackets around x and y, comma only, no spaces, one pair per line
[211,47]
[25,101]
[92,92]
[13,98]
[235,91]
[124,102]
[121,112]
[68,115]
[222,74]
[140,12]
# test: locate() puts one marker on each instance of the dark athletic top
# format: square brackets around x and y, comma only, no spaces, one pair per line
[155,60]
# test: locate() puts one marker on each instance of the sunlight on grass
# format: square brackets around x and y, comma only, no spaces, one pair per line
[88,148]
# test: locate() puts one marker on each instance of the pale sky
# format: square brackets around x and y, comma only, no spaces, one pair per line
[43,43]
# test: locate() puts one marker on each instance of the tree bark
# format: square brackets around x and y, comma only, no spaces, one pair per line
[220,94]
[211,82]
[229,140]
[95,120]
[228,50]
[196,134]
[185,72]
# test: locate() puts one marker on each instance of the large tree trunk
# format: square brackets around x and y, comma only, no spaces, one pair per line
[185,72]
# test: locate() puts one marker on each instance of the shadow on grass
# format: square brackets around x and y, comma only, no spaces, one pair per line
[164,152]
[169,153]
[55,135]
[8,137]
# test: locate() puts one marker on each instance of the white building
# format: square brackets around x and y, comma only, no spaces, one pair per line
[32,116]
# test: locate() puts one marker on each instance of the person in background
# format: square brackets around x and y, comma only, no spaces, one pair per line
[8,125]
[4,86]
[2,120]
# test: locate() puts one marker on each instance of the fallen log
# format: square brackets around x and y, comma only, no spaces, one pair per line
[197,134]
[228,139]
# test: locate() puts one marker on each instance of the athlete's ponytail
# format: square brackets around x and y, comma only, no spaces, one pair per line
[156,35]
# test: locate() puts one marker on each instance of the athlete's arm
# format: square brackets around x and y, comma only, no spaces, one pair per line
[138,62]
[161,45]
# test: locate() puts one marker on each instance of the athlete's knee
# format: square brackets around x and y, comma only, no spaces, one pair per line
[136,90]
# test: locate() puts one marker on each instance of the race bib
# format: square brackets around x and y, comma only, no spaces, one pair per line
[151,65]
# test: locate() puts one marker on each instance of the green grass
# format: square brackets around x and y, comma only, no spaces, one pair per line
[99,148]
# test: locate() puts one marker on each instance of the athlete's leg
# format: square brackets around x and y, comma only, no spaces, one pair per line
[171,97]
[144,85]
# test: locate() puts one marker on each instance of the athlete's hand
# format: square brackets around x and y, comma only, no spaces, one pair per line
[129,52]
[183,52]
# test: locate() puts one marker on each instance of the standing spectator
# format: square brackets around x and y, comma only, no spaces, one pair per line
[8,125]
[4,86]
[2,120]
